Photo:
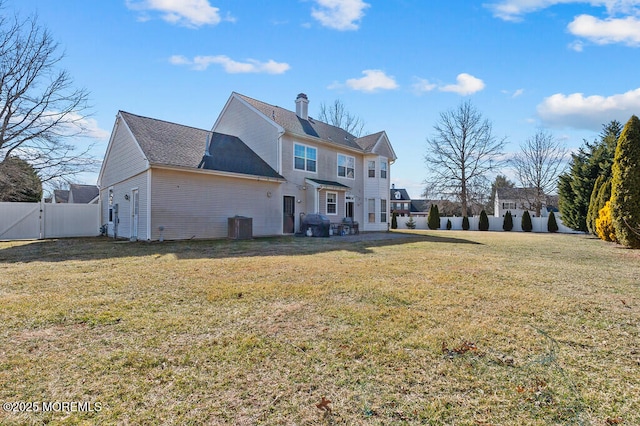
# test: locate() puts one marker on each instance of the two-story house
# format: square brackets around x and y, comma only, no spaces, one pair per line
[162,180]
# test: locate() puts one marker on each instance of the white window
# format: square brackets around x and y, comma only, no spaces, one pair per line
[371,210]
[372,168]
[346,166]
[383,211]
[332,203]
[383,170]
[110,204]
[304,157]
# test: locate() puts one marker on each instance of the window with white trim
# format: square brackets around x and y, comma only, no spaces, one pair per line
[383,170]
[305,157]
[371,210]
[110,198]
[372,168]
[332,203]
[346,166]
[383,210]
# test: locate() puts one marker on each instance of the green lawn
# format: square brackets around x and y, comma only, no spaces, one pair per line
[432,327]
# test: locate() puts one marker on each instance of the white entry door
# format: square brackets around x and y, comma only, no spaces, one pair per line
[135,203]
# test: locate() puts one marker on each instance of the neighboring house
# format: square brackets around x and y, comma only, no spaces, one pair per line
[161,180]
[83,194]
[401,202]
[517,200]
[76,194]
[60,196]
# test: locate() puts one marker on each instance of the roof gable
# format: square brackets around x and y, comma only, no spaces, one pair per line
[82,194]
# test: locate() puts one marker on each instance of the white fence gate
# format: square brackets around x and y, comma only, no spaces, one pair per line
[26,221]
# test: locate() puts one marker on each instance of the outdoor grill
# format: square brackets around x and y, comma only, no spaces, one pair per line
[350,227]
[316,225]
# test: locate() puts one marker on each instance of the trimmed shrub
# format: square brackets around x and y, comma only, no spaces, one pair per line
[448,224]
[552,223]
[604,224]
[465,223]
[483,223]
[625,185]
[507,224]
[411,224]
[433,220]
[527,226]
[394,220]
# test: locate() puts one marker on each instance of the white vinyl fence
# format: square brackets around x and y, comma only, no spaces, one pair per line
[26,221]
[495,223]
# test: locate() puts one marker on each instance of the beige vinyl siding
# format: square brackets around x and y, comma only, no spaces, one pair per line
[120,190]
[124,158]
[377,189]
[198,205]
[252,128]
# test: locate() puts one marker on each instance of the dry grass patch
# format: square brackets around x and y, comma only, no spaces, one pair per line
[438,327]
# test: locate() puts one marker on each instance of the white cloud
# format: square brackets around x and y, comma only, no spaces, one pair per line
[466,85]
[588,112]
[201,63]
[626,30]
[514,10]
[421,86]
[189,13]
[339,14]
[372,81]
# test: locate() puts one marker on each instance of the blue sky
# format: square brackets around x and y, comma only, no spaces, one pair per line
[566,66]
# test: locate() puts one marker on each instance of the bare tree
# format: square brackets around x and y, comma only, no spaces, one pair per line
[337,115]
[39,108]
[541,160]
[461,154]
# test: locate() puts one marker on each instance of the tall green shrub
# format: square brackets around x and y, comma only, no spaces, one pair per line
[625,185]
[552,223]
[507,224]
[448,224]
[465,223]
[527,226]
[394,220]
[433,221]
[592,213]
[483,223]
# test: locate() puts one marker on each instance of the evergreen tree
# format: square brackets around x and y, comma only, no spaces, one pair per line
[483,223]
[411,224]
[527,226]
[465,223]
[19,182]
[433,220]
[592,212]
[449,225]
[552,224]
[604,224]
[625,185]
[507,225]
[576,186]
[394,220]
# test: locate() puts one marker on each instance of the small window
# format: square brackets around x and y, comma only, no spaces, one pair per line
[372,169]
[304,158]
[383,210]
[371,210]
[383,170]
[346,166]
[332,203]
[110,204]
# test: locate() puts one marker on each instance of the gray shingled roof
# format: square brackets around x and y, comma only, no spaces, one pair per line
[82,194]
[229,154]
[312,127]
[171,144]
[61,195]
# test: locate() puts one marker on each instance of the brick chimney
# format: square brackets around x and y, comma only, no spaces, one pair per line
[302,106]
